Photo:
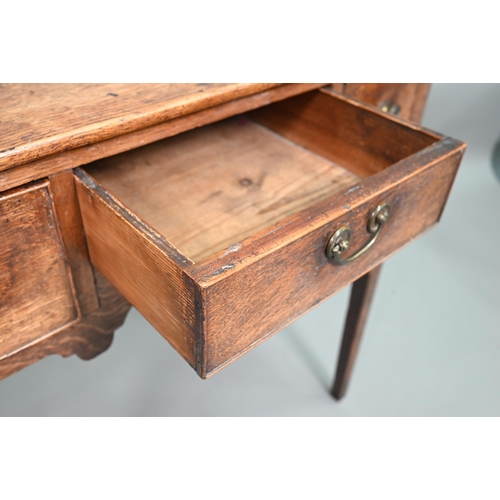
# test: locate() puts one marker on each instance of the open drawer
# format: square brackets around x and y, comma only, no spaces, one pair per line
[223,235]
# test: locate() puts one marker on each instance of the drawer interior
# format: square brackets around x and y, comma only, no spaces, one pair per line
[217,235]
[208,189]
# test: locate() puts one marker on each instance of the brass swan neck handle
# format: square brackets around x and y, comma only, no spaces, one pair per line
[340,240]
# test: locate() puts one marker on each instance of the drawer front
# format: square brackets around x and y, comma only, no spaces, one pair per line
[266,294]
[36,295]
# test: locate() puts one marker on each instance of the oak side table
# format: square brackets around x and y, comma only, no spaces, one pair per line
[222,212]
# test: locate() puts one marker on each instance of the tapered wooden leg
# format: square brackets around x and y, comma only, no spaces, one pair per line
[359,306]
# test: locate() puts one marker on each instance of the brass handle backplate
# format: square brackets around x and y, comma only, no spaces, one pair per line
[341,239]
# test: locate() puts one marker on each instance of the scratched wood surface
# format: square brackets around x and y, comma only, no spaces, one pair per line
[215,309]
[46,129]
[86,337]
[210,188]
[142,265]
[40,120]
[269,284]
[51,302]
[36,295]
[56,154]
[213,305]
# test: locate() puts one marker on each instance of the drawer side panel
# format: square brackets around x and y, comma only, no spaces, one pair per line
[139,267]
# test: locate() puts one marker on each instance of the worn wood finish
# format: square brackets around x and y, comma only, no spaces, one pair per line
[86,337]
[49,129]
[62,189]
[75,157]
[410,97]
[36,295]
[344,131]
[142,265]
[91,124]
[62,116]
[293,227]
[362,293]
[281,273]
[48,298]
[263,264]
[210,188]
[216,309]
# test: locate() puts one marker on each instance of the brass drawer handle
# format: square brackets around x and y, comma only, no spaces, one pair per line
[340,240]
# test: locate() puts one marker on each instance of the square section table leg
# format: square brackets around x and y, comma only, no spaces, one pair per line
[359,307]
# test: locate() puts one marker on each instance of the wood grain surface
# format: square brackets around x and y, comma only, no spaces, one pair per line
[75,155]
[359,138]
[142,265]
[40,120]
[219,241]
[210,188]
[36,295]
[216,309]
[410,97]
[63,192]
[281,273]
[86,337]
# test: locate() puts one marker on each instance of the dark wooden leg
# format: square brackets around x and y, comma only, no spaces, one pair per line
[359,306]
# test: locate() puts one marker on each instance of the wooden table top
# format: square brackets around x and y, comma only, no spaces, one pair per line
[40,120]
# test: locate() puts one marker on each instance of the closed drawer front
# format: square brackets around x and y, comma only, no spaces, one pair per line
[219,235]
[37,293]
